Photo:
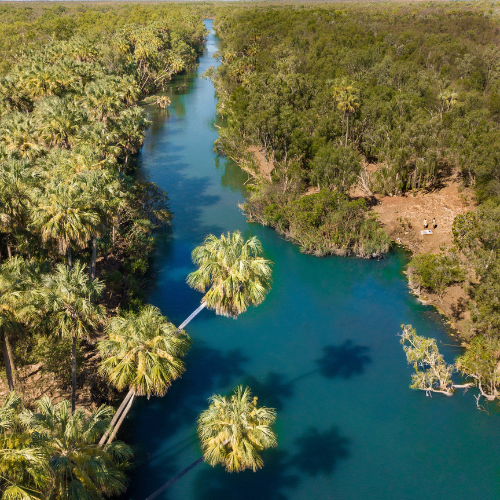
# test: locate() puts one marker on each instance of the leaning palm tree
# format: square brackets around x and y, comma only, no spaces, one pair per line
[234,273]
[232,431]
[67,299]
[81,469]
[142,353]
[24,471]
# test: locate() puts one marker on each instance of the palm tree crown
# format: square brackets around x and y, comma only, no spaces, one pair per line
[143,352]
[234,430]
[231,266]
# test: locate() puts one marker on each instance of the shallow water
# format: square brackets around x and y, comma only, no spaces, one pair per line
[322,349]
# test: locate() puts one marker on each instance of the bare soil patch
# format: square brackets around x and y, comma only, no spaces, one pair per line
[403,217]
[265,166]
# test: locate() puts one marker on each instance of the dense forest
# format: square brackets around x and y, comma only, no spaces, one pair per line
[322,91]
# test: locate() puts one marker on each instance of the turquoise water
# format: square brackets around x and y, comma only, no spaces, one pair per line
[322,349]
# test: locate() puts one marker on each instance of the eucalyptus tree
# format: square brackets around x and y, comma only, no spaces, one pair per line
[232,431]
[24,470]
[234,273]
[67,297]
[142,352]
[81,469]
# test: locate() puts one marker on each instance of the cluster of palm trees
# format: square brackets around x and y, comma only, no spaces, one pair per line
[52,452]
[69,122]
[142,352]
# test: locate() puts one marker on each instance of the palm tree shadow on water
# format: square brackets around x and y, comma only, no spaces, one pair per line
[343,361]
[319,453]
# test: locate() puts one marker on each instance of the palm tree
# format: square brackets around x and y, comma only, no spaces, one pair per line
[17,280]
[67,297]
[24,472]
[64,216]
[81,468]
[234,272]
[16,181]
[347,100]
[232,431]
[142,352]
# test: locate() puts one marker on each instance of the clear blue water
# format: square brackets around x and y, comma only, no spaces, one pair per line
[322,349]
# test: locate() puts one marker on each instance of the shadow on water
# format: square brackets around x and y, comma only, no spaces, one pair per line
[268,483]
[272,390]
[208,371]
[344,360]
[320,452]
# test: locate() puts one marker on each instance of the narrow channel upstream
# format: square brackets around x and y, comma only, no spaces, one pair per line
[322,349]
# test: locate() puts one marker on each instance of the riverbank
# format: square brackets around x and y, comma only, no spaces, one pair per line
[402,217]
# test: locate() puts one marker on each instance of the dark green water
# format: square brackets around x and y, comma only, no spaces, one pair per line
[322,349]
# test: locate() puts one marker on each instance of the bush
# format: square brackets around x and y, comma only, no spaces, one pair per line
[436,272]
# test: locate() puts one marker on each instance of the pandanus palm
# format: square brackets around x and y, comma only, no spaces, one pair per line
[232,431]
[142,353]
[81,469]
[67,300]
[234,273]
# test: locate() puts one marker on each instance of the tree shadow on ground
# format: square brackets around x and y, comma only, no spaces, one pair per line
[320,452]
[272,390]
[267,483]
[344,360]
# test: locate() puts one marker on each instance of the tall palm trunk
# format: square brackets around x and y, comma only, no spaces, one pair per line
[116,417]
[175,479]
[73,373]
[182,473]
[70,262]
[347,131]
[9,250]
[92,270]
[8,361]
[126,404]
[191,316]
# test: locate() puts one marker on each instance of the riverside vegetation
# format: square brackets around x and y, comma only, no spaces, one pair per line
[69,122]
[325,90]
[320,91]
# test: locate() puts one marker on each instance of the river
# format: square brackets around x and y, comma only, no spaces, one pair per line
[323,349]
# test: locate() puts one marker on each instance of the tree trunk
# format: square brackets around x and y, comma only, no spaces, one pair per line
[191,316]
[115,418]
[9,251]
[347,131]
[175,479]
[73,373]
[114,234]
[92,269]
[7,362]
[122,418]
[70,263]
[27,247]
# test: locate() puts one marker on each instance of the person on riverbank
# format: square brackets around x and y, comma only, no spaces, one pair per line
[425,224]
[434,223]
